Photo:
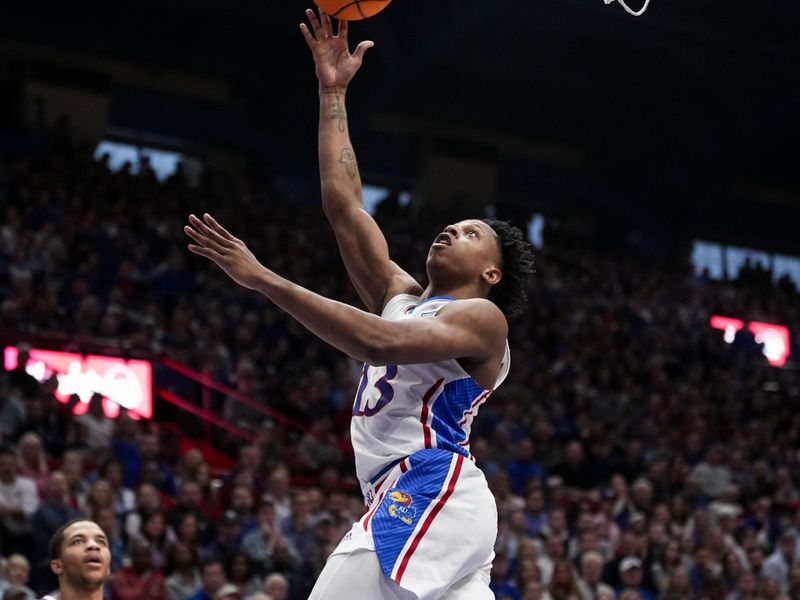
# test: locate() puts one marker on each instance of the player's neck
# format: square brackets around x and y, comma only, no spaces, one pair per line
[462,292]
[68,591]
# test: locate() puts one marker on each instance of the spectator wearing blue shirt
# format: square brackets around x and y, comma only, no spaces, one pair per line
[630,573]
[524,468]
[535,513]
[502,584]
[212,573]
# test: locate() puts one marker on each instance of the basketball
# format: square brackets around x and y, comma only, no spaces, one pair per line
[352,10]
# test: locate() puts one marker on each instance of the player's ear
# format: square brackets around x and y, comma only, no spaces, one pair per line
[56,566]
[492,275]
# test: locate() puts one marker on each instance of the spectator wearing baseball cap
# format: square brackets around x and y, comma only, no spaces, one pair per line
[630,574]
[228,591]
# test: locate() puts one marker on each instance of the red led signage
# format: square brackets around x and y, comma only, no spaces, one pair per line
[122,383]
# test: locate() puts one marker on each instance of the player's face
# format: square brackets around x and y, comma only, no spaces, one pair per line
[85,557]
[467,247]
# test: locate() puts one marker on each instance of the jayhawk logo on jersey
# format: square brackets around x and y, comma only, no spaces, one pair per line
[401,507]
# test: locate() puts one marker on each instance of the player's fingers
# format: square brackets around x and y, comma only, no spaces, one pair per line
[307,35]
[315,24]
[215,251]
[207,252]
[342,29]
[209,233]
[197,237]
[326,23]
[212,222]
[362,48]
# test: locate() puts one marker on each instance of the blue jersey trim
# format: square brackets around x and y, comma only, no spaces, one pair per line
[385,470]
[432,298]
[418,487]
[448,410]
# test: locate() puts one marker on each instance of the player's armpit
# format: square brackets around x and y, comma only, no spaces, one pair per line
[366,257]
[465,329]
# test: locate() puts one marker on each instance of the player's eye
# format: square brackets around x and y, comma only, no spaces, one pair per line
[472,232]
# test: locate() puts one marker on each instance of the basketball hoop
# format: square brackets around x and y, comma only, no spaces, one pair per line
[629,10]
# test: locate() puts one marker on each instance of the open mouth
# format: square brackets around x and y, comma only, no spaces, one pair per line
[93,561]
[442,239]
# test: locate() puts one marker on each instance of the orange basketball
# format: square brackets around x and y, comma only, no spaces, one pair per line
[352,10]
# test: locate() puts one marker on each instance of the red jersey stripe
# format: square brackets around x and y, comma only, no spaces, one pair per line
[426,429]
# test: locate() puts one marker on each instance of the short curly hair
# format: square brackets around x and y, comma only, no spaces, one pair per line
[516,263]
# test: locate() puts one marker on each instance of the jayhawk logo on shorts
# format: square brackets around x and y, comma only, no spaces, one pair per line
[401,507]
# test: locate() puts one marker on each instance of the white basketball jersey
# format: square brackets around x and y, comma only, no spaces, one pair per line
[401,409]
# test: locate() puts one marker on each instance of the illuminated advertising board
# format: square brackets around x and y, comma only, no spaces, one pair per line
[775,338]
[122,383]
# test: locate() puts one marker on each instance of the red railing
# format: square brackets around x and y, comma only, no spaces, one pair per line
[208,382]
[206,415]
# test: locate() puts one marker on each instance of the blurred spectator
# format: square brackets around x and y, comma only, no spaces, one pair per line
[183,574]
[278,492]
[563,583]
[190,500]
[266,545]
[524,468]
[228,592]
[574,470]
[276,585]
[239,571]
[72,467]
[590,584]
[96,426]
[502,584]
[746,588]
[712,474]
[123,498]
[150,450]
[51,514]
[212,576]
[140,581]
[147,501]
[780,562]
[159,538]
[107,521]
[630,571]
[32,462]
[18,502]
[14,577]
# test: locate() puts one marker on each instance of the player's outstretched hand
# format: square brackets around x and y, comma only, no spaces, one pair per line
[231,254]
[335,65]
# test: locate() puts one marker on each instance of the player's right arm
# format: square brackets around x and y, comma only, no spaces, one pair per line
[361,242]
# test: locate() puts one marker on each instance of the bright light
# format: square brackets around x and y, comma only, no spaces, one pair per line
[122,383]
[536,231]
[775,338]
[707,257]
[730,326]
[163,162]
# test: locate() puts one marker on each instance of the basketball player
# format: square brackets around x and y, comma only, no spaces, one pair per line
[81,559]
[431,358]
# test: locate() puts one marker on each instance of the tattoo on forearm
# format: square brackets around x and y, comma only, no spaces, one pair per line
[339,114]
[348,159]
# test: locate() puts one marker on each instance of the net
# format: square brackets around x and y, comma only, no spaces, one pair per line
[635,13]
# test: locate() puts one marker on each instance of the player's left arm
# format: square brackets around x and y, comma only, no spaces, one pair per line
[468,329]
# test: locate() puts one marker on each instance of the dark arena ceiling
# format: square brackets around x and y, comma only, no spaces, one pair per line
[687,118]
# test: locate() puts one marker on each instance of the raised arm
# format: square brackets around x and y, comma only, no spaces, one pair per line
[361,242]
[470,329]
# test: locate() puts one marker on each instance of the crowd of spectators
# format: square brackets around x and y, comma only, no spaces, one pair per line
[633,454]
